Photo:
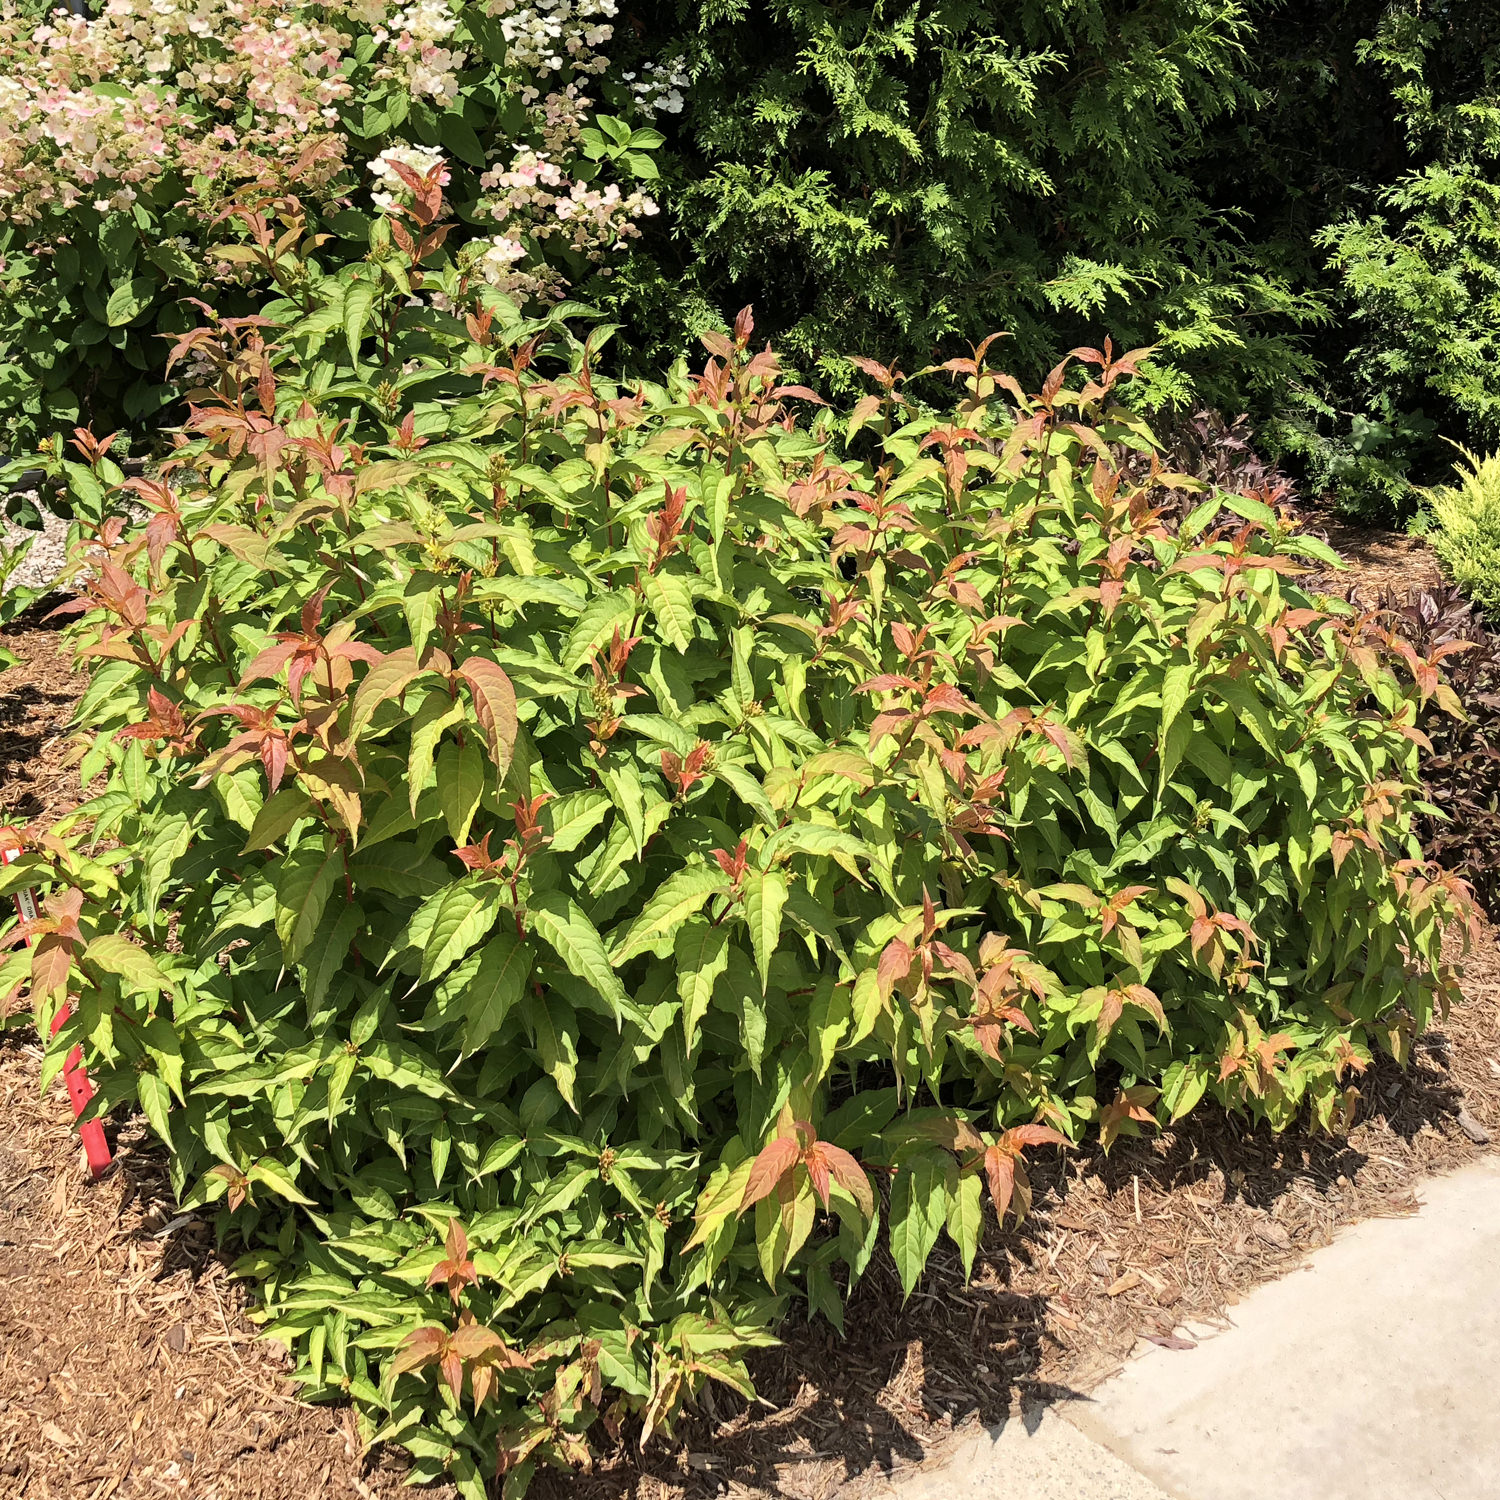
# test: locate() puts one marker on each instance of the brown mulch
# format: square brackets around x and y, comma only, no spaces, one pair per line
[127,1369]
[36,699]
[1380,560]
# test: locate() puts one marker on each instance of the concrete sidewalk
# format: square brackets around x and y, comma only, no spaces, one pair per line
[1372,1373]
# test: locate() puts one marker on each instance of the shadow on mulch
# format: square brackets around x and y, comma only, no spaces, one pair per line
[37,697]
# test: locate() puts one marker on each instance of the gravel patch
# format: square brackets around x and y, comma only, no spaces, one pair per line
[47,549]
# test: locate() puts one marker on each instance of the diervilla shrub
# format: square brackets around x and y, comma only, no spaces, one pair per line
[580,866]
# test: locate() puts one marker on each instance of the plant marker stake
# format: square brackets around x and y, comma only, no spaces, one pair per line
[75,1075]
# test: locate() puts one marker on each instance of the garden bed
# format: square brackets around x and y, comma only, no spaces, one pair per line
[129,1369]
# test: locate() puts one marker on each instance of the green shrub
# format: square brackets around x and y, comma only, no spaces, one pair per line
[894,177]
[564,844]
[1377,171]
[1421,267]
[1296,203]
[1462,525]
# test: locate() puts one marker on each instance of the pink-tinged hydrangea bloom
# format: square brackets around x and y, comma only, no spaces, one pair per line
[235,94]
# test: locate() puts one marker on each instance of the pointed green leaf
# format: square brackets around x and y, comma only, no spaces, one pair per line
[386,679]
[671,601]
[561,923]
[966,1220]
[596,625]
[765,896]
[279,1179]
[466,912]
[675,900]
[278,815]
[919,1209]
[306,881]
[437,713]
[460,785]
[156,1101]
[116,954]
[497,985]
[358,300]
[702,954]
[574,817]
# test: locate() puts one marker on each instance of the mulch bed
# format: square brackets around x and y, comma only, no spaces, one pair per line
[128,1370]
[36,700]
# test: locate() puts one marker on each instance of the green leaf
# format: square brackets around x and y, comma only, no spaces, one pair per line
[1183,1084]
[744,785]
[129,300]
[919,1209]
[827,1020]
[554,1044]
[1176,689]
[116,954]
[574,817]
[815,839]
[460,139]
[330,951]
[671,601]
[966,1220]
[675,900]
[560,922]
[344,1067]
[702,954]
[156,1101]
[385,680]
[306,881]
[497,985]
[623,783]
[168,843]
[464,914]
[867,1005]
[239,795]
[279,1179]
[437,714]
[358,300]
[765,896]
[279,814]
[460,785]
[604,614]
[397,868]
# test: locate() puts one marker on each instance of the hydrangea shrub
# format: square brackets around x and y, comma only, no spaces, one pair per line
[123,136]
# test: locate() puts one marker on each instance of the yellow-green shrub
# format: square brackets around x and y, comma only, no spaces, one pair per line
[1463,528]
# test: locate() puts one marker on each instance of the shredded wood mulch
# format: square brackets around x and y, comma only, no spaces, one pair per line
[1380,560]
[127,1368]
[36,700]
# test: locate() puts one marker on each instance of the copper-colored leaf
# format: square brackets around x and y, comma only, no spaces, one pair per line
[770,1166]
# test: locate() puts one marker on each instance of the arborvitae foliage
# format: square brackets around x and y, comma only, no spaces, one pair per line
[894,176]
